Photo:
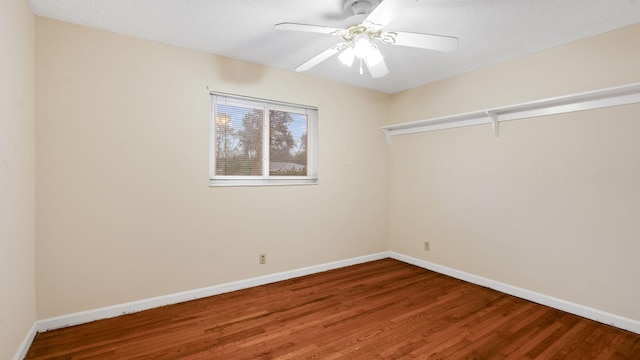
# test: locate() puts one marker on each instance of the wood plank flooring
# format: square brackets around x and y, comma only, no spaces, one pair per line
[379,310]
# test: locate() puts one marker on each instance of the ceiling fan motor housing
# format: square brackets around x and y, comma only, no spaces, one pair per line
[360,7]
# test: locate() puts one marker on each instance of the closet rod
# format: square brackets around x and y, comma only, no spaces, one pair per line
[615,96]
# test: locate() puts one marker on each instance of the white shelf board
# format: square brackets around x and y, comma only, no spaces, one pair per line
[615,96]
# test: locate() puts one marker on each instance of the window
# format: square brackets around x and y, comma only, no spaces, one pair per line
[261,142]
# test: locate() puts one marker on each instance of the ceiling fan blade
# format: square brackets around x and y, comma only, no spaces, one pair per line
[387,11]
[424,41]
[321,57]
[309,28]
[377,70]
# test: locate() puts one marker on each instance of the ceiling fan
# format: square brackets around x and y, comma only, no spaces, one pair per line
[358,38]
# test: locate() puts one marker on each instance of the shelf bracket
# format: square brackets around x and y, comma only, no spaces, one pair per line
[494,121]
[387,135]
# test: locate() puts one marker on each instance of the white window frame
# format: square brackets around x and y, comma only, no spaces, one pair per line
[265,106]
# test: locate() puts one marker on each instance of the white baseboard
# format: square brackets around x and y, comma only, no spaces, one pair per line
[573,308]
[140,305]
[26,343]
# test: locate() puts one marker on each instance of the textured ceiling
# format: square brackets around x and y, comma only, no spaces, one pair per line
[490,31]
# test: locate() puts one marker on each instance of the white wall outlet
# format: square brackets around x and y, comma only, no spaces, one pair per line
[426,246]
[263,259]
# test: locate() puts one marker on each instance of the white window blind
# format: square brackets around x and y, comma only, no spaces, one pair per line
[261,142]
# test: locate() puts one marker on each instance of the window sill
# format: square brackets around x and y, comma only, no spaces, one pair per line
[261,182]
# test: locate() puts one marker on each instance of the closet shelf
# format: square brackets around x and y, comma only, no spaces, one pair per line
[615,96]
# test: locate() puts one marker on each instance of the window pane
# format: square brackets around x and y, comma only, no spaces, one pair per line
[287,143]
[238,137]
[261,142]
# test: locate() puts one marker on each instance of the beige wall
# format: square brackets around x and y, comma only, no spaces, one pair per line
[552,205]
[17,175]
[124,207]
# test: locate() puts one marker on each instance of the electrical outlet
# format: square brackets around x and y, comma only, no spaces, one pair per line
[426,246]
[263,259]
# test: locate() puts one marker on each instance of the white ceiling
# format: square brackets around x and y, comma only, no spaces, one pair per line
[490,31]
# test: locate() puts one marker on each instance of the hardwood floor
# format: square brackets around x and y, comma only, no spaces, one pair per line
[379,310]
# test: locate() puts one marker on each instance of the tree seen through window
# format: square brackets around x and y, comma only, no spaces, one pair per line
[240,144]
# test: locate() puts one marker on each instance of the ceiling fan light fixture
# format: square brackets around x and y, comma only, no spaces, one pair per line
[375,56]
[347,56]
[362,46]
